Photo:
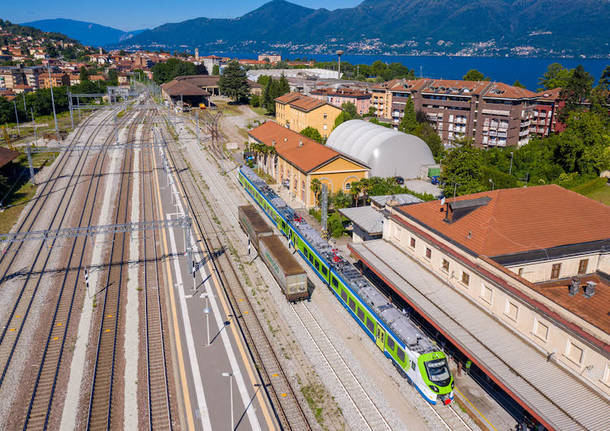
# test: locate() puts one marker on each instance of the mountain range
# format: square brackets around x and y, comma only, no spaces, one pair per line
[466,27]
[85,32]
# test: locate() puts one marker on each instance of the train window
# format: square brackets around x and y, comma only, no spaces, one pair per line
[370,325]
[310,257]
[360,314]
[352,304]
[324,271]
[391,343]
[401,354]
[334,282]
[412,365]
[344,295]
[317,265]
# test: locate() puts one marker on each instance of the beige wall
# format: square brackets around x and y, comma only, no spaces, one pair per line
[567,350]
[322,118]
[541,271]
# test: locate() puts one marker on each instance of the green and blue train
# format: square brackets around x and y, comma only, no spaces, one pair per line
[412,353]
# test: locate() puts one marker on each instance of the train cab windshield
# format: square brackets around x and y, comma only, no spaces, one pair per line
[438,371]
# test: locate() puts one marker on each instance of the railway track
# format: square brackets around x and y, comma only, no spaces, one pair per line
[281,393]
[450,418]
[158,395]
[369,414]
[100,409]
[40,405]
[17,318]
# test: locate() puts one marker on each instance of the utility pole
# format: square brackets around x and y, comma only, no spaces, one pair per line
[70,106]
[17,118]
[510,170]
[53,103]
[197,117]
[339,54]
[35,129]
[25,108]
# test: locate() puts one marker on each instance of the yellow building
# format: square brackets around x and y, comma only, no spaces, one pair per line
[297,112]
[299,160]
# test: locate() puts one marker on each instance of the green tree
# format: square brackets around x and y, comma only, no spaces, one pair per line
[335,225]
[113,77]
[255,101]
[263,80]
[341,200]
[461,170]
[216,70]
[350,109]
[427,133]
[233,82]
[604,80]
[555,76]
[576,90]
[408,124]
[84,74]
[518,84]
[312,133]
[165,72]
[316,188]
[475,75]
[342,118]
[283,86]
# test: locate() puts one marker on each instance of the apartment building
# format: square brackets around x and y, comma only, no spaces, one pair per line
[337,97]
[11,76]
[546,111]
[57,79]
[297,112]
[536,259]
[455,109]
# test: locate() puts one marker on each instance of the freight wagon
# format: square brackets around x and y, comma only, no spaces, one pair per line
[414,355]
[287,271]
[285,268]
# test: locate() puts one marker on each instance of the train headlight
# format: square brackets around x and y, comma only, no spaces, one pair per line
[452,385]
[434,388]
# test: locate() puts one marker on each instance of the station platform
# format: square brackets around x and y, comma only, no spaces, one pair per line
[555,397]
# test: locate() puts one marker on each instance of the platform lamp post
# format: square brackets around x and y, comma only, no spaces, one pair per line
[206,311]
[230,376]
[510,170]
[339,54]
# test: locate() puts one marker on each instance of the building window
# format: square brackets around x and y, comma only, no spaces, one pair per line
[582,266]
[465,278]
[412,242]
[325,116]
[512,310]
[486,294]
[606,378]
[555,270]
[574,353]
[348,186]
[325,127]
[445,265]
[428,253]
[541,330]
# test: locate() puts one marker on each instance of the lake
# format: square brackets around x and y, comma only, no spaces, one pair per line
[502,69]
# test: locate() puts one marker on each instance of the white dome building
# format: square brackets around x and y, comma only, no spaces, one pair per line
[388,152]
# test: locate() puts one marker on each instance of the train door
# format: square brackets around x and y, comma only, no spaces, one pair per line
[380,338]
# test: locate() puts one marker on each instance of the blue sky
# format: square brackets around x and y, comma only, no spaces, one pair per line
[137,14]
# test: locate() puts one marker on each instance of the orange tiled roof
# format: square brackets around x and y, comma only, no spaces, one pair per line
[450,86]
[549,95]
[594,310]
[305,157]
[407,84]
[301,102]
[499,89]
[518,220]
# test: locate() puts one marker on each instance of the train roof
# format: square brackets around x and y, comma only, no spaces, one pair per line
[401,326]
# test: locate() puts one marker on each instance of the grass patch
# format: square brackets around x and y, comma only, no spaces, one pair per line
[597,189]
[601,194]
[259,110]
[314,395]
[23,191]
[268,178]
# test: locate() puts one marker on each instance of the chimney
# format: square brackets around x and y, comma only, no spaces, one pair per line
[590,289]
[273,143]
[574,286]
[300,142]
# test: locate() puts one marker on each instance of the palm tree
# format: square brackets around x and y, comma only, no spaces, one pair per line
[355,190]
[316,188]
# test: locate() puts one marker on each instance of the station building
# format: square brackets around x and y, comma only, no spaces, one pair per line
[298,160]
[518,281]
